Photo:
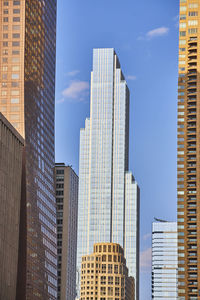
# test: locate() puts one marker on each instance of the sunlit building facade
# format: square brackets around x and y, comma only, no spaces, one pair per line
[164,260]
[108,193]
[104,274]
[27,96]
[188,165]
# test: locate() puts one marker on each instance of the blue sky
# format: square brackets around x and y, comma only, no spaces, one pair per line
[145,36]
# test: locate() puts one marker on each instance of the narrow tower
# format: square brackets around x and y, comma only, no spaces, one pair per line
[108,193]
[188,165]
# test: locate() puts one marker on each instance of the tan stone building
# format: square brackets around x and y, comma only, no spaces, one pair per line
[104,275]
[66,182]
[188,164]
[11,157]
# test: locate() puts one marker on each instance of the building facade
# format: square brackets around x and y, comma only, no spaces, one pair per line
[104,274]
[27,96]
[164,260]
[11,168]
[66,182]
[108,193]
[188,165]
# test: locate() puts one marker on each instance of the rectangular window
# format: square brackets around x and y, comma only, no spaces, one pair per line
[15,52]
[5,35]
[182,25]
[16,19]
[192,30]
[15,68]
[16,27]
[15,84]
[193,13]
[5,11]
[16,2]
[15,44]
[193,5]
[183,8]
[15,59]
[5,3]
[5,19]
[5,27]
[193,23]
[182,33]
[5,44]
[16,35]
[182,17]
[15,76]
[15,93]
[16,11]
[14,100]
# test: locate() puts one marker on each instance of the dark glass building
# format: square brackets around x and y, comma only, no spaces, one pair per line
[27,96]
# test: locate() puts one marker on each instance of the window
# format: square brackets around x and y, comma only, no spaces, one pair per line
[15,84]
[15,44]
[182,25]
[16,27]
[5,44]
[182,33]
[14,100]
[5,11]
[5,36]
[5,27]
[16,19]
[16,35]
[15,52]
[193,23]
[182,17]
[15,93]
[5,19]
[192,30]
[193,5]
[15,76]
[15,68]
[193,13]
[16,2]
[16,11]
[183,8]
[5,3]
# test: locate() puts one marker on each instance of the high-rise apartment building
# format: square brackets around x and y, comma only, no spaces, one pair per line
[66,182]
[188,165]
[27,63]
[11,190]
[108,193]
[104,274]
[164,260]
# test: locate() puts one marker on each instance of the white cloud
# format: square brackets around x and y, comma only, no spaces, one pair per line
[73,73]
[77,90]
[145,259]
[131,77]
[157,32]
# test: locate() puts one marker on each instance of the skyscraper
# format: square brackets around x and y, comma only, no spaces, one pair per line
[164,260]
[188,165]
[108,193]
[27,62]
[104,274]
[66,182]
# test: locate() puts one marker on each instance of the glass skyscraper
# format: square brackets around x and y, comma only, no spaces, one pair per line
[164,260]
[27,96]
[108,193]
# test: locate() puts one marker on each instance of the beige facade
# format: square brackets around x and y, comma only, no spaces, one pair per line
[66,182]
[11,154]
[104,275]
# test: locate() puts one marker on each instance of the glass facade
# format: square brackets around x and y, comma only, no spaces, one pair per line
[164,261]
[104,144]
[27,95]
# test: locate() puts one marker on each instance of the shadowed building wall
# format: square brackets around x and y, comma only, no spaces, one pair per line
[66,182]
[11,152]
